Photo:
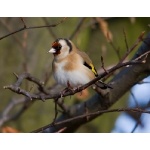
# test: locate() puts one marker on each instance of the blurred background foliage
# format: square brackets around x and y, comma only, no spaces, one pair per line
[26,51]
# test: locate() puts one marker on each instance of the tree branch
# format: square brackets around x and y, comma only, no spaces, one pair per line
[140,38]
[77,28]
[5,115]
[73,119]
[32,27]
[121,83]
[46,95]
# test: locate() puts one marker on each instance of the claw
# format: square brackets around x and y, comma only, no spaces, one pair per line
[63,92]
[78,90]
[103,85]
[69,88]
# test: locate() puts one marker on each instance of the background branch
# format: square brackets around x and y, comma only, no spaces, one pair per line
[73,119]
[31,27]
[77,28]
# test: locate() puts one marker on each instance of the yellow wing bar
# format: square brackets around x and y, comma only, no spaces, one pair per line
[93,70]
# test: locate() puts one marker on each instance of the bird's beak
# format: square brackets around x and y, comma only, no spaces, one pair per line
[52,50]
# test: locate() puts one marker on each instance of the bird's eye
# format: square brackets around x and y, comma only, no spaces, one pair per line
[56,46]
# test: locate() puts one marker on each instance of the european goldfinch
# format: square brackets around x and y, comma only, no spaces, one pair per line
[71,67]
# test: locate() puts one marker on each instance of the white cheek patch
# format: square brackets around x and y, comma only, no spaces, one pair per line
[62,42]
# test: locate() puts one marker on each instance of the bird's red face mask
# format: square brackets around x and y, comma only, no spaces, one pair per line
[56,47]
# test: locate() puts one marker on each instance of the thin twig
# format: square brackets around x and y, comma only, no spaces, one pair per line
[140,57]
[56,111]
[33,27]
[137,123]
[5,115]
[61,104]
[125,38]
[92,114]
[117,50]
[5,24]
[24,24]
[138,120]
[77,28]
[102,61]
[143,82]
[135,100]
[49,29]
[140,38]
[62,130]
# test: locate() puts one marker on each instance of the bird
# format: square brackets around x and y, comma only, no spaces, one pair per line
[72,67]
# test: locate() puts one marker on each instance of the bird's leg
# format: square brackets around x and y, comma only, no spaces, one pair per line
[68,88]
[73,89]
[78,87]
[63,91]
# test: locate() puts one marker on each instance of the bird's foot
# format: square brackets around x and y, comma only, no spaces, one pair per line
[67,89]
[63,92]
[103,85]
[78,88]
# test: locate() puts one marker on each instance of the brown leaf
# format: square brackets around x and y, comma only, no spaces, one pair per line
[82,95]
[104,27]
[8,129]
